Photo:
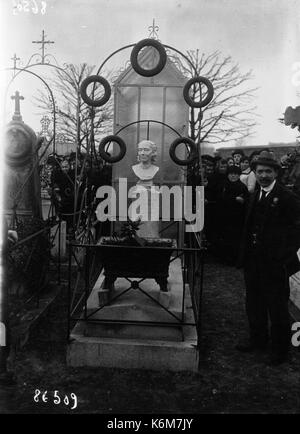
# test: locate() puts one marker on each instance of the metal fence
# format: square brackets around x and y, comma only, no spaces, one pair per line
[24,274]
[86,265]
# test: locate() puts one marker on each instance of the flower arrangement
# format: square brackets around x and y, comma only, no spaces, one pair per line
[128,236]
[128,255]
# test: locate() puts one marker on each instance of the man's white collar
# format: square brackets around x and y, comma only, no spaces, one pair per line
[269,188]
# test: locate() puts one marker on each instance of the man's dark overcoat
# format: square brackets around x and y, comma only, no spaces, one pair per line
[271,238]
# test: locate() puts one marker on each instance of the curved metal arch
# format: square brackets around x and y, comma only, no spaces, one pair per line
[132,45]
[37,64]
[184,56]
[38,55]
[111,55]
[26,69]
[49,90]
[148,120]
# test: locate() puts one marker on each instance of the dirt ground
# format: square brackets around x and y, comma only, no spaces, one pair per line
[227,382]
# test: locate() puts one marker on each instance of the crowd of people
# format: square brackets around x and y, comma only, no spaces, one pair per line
[228,183]
[255,225]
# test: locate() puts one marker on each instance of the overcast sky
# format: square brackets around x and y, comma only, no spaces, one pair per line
[260,35]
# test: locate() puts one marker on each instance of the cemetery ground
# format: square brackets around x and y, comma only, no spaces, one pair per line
[227,382]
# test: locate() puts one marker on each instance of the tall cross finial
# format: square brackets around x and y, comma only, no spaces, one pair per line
[17,97]
[15,58]
[153,30]
[43,42]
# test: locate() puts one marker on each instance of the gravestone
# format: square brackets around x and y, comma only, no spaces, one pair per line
[22,203]
[22,183]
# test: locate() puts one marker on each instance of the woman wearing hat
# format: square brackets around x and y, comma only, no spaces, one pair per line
[231,202]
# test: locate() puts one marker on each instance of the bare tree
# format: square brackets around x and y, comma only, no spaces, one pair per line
[73,115]
[230,116]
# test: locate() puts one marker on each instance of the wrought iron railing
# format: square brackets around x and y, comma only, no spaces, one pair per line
[85,266]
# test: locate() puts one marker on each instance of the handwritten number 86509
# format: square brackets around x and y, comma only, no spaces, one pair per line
[45,397]
[29,5]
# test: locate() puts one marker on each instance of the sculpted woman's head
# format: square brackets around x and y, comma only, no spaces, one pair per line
[147,151]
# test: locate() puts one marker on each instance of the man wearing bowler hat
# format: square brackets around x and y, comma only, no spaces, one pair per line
[270,242]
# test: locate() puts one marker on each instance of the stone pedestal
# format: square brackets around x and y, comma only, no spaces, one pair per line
[158,342]
[136,306]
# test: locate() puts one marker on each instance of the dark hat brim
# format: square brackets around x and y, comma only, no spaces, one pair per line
[237,152]
[208,158]
[266,162]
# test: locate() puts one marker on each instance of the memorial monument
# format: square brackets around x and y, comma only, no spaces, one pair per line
[132,319]
[22,183]
[146,178]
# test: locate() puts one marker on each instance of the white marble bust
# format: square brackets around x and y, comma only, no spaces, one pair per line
[145,170]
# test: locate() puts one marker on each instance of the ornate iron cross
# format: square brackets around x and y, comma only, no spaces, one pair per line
[43,42]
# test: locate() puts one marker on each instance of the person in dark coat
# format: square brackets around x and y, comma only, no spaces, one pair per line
[216,179]
[63,190]
[230,212]
[214,183]
[270,241]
